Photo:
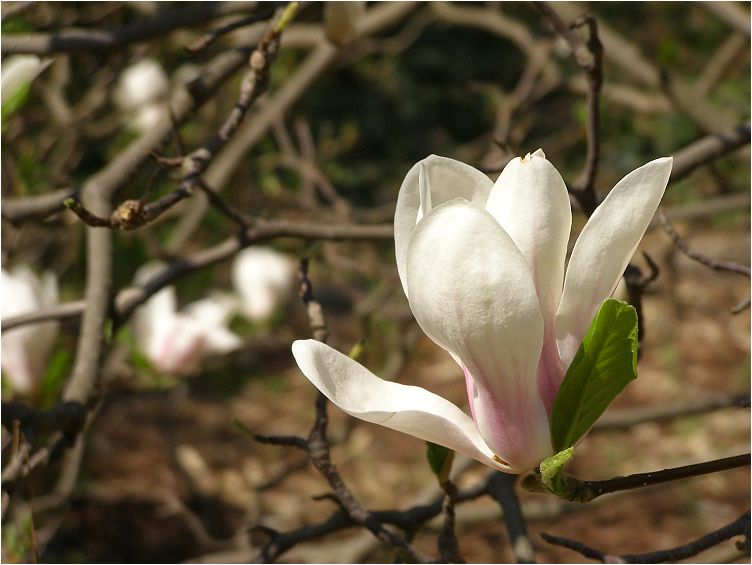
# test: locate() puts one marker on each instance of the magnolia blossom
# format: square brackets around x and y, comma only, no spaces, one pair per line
[18,71]
[263,278]
[25,349]
[483,267]
[175,342]
[141,92]
[341,20]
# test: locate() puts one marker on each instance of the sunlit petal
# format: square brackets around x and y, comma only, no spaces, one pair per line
[444,179]
[604,248]
[471,291]
[408,409]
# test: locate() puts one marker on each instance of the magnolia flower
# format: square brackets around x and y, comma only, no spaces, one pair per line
[141,92]
[25,349]
[175,342]
[18,71]
[263,278]
[341,21]
[483,267]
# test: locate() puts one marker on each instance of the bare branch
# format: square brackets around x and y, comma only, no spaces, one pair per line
[98,41]
[585,491]
[738,527]
[501,488]
[699,257]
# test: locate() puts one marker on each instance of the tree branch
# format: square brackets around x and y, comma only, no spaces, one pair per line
[738,527]
[99,41]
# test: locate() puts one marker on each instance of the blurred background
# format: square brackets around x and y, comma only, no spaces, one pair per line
[357,94]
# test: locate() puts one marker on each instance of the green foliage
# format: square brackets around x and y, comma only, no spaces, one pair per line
[440,460]
[54,376]
[15,102]
[604,364]
[551,470]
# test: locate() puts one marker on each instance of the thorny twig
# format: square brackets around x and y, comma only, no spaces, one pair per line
[739,527]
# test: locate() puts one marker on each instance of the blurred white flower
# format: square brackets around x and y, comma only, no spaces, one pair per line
[264,279]
[17,72]
[341,20]
[25,349]
[175,342]
[141,92]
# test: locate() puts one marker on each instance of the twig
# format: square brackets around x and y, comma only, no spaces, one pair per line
[585,491]
[16,210]
[628,417]
[204,42]
[66,417]
[706,149]
[501,489]
[740,526]
[637,284]
[69,310]
[734,15]
[408,520]
[589,57]
[316,319]
[318,62]
[449,548]
[99,41]
[699,257]
[133,214]
[318,442]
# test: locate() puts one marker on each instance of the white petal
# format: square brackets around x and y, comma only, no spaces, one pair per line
[408,409]
[445,180]
[26,349]
[471,291]
[18,71]
[604,248]
[531,203]
[264,279]
[215,310]
[222,340]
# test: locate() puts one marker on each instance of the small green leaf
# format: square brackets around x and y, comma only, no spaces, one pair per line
[54,375]
[357,349]
[440,459]
[604,364]
[550,467]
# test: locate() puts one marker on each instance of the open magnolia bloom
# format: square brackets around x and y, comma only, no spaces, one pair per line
[483,268]
[176,341]
[25,349]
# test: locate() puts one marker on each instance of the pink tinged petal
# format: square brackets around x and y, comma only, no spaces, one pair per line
[531,203]
[471,291]
[604,248]
[442,179]
[408,409]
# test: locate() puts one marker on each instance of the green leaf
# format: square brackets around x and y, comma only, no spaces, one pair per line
[604,364]
[15,102]
[54,375]
[440,459]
